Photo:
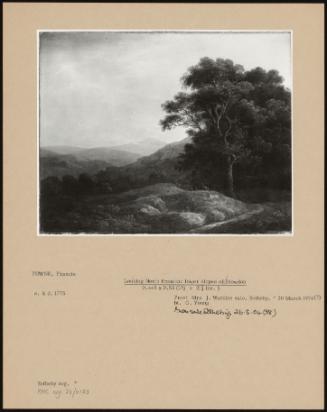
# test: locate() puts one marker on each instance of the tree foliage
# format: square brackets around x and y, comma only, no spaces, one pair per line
[236,118]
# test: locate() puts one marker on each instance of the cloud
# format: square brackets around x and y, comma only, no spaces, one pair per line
[103,88]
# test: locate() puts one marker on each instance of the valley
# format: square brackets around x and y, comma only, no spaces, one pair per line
[112,191]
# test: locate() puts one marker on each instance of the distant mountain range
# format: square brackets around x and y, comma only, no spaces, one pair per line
[140,148]
[126,159]
[63,150]
[143,148]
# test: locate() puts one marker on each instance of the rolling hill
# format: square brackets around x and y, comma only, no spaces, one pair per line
[159,165]
[62,160]
[52,164]
[60,149]
[163,208]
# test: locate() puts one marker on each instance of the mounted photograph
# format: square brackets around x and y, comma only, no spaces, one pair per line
[164,132]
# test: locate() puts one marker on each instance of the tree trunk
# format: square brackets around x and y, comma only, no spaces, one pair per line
[230,178]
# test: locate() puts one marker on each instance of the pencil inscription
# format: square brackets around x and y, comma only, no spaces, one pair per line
[61,389]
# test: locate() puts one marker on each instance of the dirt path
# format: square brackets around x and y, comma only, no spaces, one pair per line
[238,218]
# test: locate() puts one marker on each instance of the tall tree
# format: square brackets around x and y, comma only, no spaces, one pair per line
[230,112]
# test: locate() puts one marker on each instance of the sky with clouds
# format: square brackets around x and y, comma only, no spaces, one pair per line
[106,88]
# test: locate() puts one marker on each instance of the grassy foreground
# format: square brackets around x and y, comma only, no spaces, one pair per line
[163,208]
